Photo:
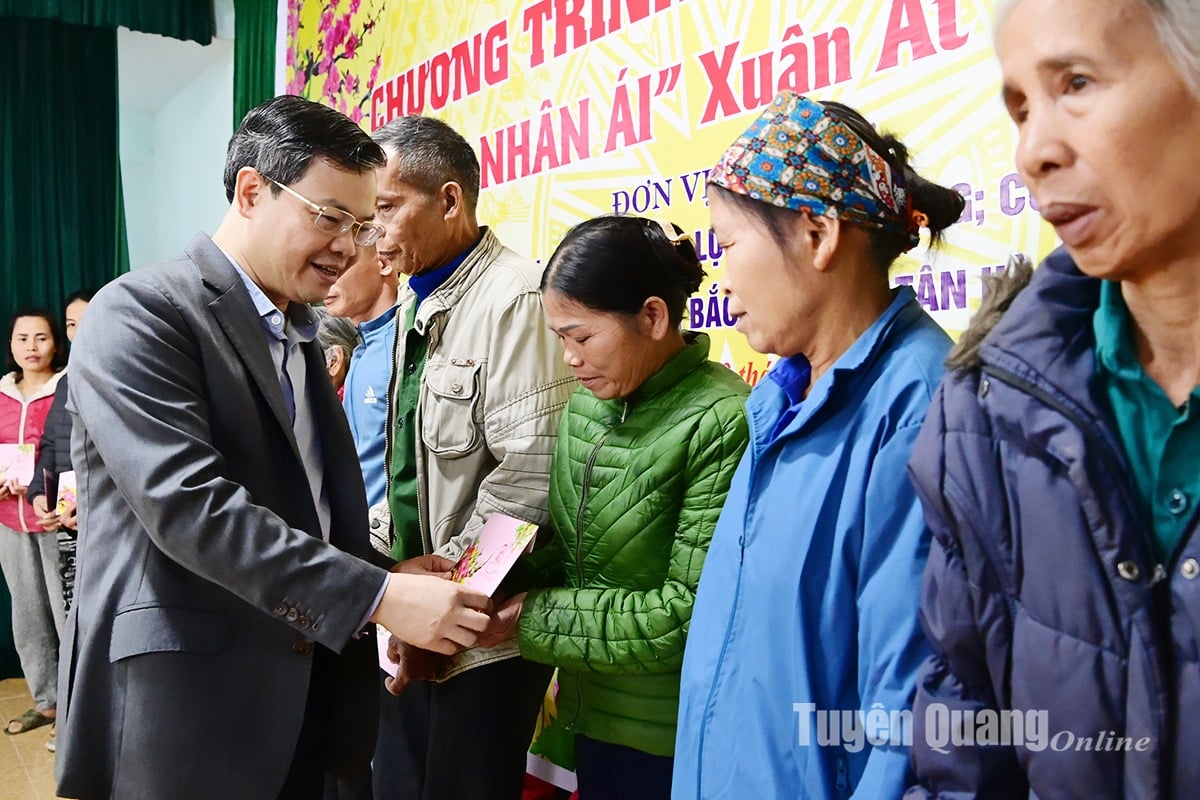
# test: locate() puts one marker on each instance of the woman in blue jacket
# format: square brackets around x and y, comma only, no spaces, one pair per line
[805,623]
[1060,465]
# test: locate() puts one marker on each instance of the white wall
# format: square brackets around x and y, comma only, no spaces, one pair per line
[137,181]
[190,136]
[176,119]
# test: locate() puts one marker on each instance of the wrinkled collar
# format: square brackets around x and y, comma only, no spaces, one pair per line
[424,284]
[901,312]
[768,399]
[303,319]
[1114,335]
[8,386]
[372,325]
[446,296]
[793,375]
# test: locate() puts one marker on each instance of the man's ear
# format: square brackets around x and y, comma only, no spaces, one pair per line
[451,197]
[657,318]
[385,269]
[249,189]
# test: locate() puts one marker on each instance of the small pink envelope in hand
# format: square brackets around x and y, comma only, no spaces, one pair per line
[483,565]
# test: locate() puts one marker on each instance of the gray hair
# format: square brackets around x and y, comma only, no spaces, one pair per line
[335,332]
[431,153]
[1177,23]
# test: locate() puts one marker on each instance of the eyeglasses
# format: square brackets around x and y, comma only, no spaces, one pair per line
[335,221]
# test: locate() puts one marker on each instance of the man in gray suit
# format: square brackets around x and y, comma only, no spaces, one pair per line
[214,649]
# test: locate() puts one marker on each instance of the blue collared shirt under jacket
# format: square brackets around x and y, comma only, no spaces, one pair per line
[809,598]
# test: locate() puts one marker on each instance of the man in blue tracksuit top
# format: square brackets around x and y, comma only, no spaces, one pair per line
[366,295]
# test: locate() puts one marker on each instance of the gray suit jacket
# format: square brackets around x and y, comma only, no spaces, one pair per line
[202,578]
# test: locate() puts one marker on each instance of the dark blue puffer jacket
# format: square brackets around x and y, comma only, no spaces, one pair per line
[54,449]
[1041,592]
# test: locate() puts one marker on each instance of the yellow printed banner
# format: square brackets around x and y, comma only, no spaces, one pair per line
[585,107]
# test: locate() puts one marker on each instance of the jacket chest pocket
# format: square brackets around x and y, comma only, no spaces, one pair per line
[452,407]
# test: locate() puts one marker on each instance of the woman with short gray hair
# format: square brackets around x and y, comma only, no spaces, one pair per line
[337,338]
[1176,23]
[1058,466]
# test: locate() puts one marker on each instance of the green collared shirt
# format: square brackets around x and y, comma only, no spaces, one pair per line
[402,478]
[403,499]
[1161,440]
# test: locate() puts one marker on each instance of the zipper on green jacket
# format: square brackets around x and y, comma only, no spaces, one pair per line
[583,493]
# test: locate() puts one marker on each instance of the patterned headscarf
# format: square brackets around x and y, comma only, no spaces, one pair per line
[798,155]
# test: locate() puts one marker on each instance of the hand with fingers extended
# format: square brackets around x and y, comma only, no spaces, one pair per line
[430,612]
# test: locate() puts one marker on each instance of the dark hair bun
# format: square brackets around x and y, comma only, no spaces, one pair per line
[616,263]
[676,254]
[943,206]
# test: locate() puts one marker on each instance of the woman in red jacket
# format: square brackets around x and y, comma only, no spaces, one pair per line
[28,555]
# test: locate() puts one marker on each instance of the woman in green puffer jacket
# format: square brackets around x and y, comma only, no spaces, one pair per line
[645,454]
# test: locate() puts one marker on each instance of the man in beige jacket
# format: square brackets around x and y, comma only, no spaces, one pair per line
[477,389]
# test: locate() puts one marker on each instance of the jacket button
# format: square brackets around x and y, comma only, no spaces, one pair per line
[1177,502]
[280,610]
[302,622]
[1129,571]
[292,615]
[302,647]
[984,386]
[1189,569]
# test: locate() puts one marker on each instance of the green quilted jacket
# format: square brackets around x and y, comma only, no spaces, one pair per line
[636,487]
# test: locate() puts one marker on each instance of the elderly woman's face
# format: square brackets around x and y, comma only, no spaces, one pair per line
[770,294]
[1109,134]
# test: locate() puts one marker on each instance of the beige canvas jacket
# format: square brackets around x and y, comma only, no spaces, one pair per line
[493,388]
